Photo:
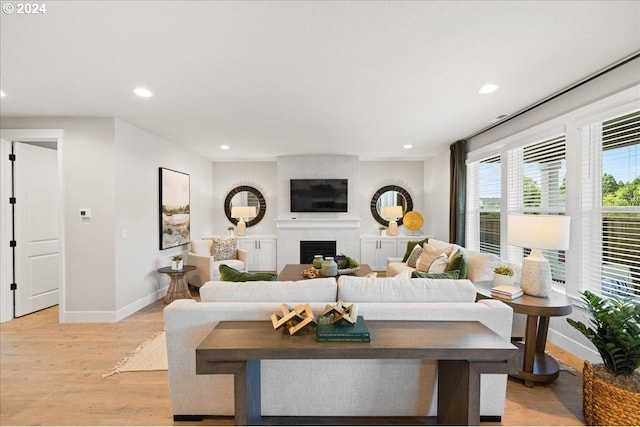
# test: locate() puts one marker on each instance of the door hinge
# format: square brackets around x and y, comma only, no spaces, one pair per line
[12,157]
[13,287]
[12,200]
[13,243]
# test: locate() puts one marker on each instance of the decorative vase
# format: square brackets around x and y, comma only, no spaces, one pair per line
[317,261]
[329,267]
[177,265]
[503,279]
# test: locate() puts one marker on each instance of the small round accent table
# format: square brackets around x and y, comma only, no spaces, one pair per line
[178,288]
[537,366]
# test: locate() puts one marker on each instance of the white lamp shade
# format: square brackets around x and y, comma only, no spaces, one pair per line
[391,212]
[243,212]
[539,231]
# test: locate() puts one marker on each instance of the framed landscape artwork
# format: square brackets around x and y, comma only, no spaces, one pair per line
[174,208]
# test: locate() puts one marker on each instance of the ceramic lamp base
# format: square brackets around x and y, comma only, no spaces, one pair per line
[241,229]
[393,229]
[536,277]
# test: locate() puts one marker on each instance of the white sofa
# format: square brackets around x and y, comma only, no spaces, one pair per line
[329,387]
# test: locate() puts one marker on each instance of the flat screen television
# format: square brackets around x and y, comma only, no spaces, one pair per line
[318,195]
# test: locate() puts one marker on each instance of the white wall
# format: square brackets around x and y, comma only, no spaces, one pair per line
[436,187]
[139,154]
[111,167]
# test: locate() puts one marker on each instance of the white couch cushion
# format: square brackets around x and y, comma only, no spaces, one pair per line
[401,289]
[480,265]
[311,290]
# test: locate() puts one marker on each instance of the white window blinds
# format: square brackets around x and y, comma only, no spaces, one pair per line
[610,226]
[536,185]
[483,205]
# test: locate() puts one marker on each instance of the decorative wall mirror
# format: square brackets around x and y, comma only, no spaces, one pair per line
[245,196]
[390,195]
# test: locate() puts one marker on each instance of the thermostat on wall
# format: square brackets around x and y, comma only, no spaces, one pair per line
[85,213]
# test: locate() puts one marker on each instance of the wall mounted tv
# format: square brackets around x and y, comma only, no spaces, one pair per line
[318,195]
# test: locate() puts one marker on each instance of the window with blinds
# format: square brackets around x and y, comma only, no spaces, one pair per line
[483,205]
[610,253]
[536,186]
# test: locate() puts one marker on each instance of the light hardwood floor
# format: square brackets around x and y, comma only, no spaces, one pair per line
[51,374]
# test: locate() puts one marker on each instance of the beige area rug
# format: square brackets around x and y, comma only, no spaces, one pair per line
[151,355]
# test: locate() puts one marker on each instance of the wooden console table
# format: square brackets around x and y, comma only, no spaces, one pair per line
[464,350]
[537,366]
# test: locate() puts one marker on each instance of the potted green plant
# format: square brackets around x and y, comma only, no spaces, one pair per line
[176,262]
[383,231]
[503,275]
[611,391]
[230,230]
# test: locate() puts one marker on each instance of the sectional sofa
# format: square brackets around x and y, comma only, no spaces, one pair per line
[328,387]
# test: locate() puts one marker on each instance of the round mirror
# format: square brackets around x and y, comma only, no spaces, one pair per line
[245,196]
[390,195]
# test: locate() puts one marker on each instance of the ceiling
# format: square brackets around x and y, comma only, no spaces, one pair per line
[271,78]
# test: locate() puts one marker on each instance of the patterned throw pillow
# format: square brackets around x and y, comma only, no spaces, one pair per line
[415,254]
[429,254]
[439,265]
[222,249]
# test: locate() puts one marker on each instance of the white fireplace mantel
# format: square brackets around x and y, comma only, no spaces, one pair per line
[318,223]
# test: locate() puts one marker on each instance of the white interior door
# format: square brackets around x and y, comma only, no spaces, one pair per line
[37,235]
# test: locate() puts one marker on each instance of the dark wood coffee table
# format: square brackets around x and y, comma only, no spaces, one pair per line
[292,272]
[464,350]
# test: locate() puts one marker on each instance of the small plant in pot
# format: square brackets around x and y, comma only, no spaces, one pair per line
[612,389]
[503,275]
[230,230]
[176,262]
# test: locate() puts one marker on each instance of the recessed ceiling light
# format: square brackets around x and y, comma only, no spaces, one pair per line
[224,147]
[143,92]
[2,94]
[407,146]
[488,88]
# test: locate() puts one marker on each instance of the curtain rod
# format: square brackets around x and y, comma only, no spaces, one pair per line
[587,79]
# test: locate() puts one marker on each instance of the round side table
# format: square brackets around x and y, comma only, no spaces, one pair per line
[178,288]
[537,366]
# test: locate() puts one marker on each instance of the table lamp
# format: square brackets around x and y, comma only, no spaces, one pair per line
[242,213]
[392,213]
[538,232]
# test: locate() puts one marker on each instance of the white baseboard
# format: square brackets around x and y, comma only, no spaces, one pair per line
[113,316]
[573,347]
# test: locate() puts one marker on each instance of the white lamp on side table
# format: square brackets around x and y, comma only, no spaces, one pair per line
[242,214]
[538,232]
[392,213]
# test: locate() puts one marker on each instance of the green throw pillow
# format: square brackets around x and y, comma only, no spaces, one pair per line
[230,274]
[410,245]
[448,275]
[459,262]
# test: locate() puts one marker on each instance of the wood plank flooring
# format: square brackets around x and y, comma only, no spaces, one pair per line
[51,374]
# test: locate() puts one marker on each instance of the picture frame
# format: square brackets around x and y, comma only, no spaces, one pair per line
[174,208]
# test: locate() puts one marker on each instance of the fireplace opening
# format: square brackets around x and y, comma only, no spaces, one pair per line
[310,248]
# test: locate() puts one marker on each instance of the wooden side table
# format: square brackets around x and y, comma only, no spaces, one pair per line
[178,288]
[537,366]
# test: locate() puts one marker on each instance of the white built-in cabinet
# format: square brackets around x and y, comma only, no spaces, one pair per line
[374,250]
[261,252]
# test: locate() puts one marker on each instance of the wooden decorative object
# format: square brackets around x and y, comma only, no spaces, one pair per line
[310,273]
[341,313]
[295,319]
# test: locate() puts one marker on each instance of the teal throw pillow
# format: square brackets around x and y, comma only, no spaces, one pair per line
[459,262]
[230,274]
[410,245]
[448,275]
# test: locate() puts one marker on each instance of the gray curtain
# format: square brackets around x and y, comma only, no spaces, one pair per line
[458,192]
